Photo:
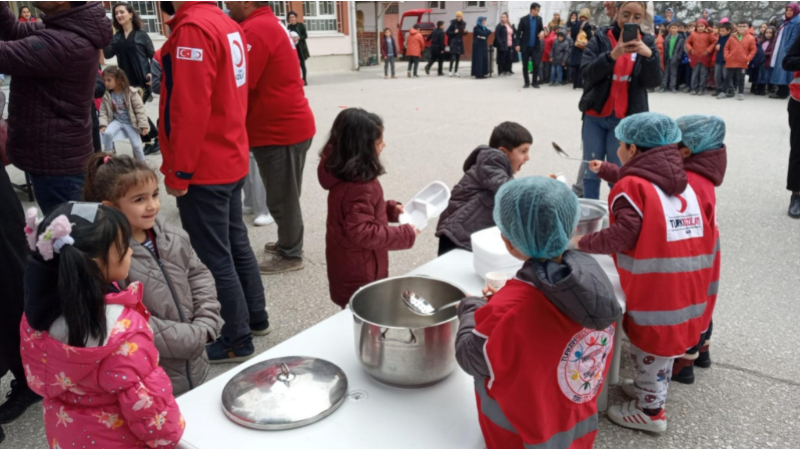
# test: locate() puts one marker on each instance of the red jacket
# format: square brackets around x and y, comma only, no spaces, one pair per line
[415,44]
[738,54]
[697,45]
[358,236]
[548,46]
[277,108]
[203,99]
[660,47]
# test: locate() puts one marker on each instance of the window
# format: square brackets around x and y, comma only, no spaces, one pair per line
[475,5]
[280,10]
[320,17]
[436,5]
[147,11]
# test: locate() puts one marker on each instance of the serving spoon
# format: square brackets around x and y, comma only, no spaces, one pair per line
[565,155]
[418,305]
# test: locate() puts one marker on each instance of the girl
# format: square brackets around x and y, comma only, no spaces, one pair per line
[179,289]
[767,44]
[300,41]
[86,344]
[455,40]
[122,112]
[25,14]
[358,237]
[388,52]
[480,49]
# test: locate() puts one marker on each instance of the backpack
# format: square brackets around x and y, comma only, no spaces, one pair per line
[583,40]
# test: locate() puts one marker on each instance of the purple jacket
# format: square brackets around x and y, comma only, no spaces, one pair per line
[54,64]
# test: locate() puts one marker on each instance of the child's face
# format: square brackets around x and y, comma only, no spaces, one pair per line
[513,250]
[379,146]
[387,33]
[742,27]
[673,30]
[518,156]
[724,32]
[626,153]
[701,28]
[141,205]
[561,38]
[691,28]
[118,265]
[110,82]
[768,34]
[715,30]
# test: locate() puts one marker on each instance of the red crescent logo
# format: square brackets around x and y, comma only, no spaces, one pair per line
[684,204]
[241,53]
[186,53]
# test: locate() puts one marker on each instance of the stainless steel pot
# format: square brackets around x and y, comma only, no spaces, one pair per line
[398,347]
[594,217]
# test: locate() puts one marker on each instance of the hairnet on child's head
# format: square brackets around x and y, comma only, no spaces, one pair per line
[537,215]
[648,130]
[701,133]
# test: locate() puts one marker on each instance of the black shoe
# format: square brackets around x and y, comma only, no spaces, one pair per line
[428,70]
[261,329]
[2,435]
[536,86]
[794,207]
[152,149]
[511,72]
[703,360]
[526,86]
[18,399]
[779,97]
[683,371]
[220,352]
[305,83]
[147,148]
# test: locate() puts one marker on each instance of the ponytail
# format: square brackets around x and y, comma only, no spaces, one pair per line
[110,177]
[82,293]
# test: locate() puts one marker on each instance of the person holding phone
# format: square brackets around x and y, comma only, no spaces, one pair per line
[619,65]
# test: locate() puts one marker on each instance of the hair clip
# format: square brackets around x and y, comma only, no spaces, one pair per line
[55,237]
[30,227]
[106,159]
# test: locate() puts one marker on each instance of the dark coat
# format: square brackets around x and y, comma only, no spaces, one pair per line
[560,52]
[501,38]
[54,64]
[13,254]
[598,68]
[302,47]
[576,56]
[524,32]
[480,51]
[471,206]
[385,48]
[437,40]
[134,55]
[358,237]
[677,52]
[456,40]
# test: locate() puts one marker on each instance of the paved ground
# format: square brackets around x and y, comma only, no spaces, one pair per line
[748,399]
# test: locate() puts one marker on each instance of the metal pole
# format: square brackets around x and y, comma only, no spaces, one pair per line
[354,33]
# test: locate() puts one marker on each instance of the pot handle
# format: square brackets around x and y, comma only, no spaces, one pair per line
[412,340]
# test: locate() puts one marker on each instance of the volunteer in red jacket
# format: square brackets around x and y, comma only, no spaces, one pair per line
[540,349]
[663,249]
[280,126]
[204,144]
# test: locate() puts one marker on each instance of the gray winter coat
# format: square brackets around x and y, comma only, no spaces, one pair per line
[578,287]
[471,205]
[561,51]
[181,295]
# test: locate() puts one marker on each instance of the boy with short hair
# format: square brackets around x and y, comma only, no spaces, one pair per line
[673,53]
[719,68]
[739,51]
[559,58]
[700,47]
[486,170]
[657,226]
[437,40]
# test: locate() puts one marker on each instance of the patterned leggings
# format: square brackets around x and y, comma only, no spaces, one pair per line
[651,379]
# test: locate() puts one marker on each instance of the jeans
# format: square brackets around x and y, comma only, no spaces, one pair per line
[534,55]
[116,131]
[51,191]
[699,78]
[719,77]
[388,61]
[599,142]
[670,78]
[255,196]
[734,79]
[436,57]
[556,74]
[212,216]
[281,168]
[545,72]
[413,62]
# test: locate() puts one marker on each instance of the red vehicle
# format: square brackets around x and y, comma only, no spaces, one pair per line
[407,21]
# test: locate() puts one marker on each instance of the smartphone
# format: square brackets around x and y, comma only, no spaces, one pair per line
[630,32]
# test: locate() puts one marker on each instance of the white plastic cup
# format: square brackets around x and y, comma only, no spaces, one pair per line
[496,280]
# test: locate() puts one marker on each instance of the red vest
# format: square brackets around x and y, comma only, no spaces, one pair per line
[617,101]
[665,278]
[707,197]
[546,372]
[794,87]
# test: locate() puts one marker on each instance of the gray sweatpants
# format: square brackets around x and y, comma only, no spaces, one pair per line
[699,78]
[255,196]
[388,61]
[281,168]
[670,78]
[651,378]
[118,131]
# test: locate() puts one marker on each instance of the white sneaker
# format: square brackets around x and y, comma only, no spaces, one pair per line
[247,210]
[741,97]
[629,416]
[628,388]
[263,220]
[458,75]
[451,75]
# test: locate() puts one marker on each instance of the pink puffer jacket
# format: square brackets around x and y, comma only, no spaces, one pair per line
[114,396]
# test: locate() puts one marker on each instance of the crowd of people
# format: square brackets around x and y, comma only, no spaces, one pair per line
[111,311]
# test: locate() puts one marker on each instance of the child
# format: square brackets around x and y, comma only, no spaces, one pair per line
[673,49]
[685,71]
[656,227]
[179,289]
[739,51]
[767,43]
[437,40]
[705,159]
[388,52]
[86,344]
[547,62]
[559,58]
[358,237]
[485,171]
[719,69]
[122,112]
[539,350]
[414,47]
[700,46]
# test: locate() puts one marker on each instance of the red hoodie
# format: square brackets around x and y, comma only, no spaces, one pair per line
[548,45]
[277,108]
[358,237]
[203,99]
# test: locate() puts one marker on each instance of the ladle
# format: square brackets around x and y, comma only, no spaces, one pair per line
[418,305]
[565,155]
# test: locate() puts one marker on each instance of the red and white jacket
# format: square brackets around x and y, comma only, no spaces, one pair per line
[617,102]
[203,106]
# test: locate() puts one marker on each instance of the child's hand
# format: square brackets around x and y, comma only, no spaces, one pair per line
[399,208]
[717,47]
[705,53]
[595,166]
[145,131]
[102,129]
[489,291]
[573,243]
[691,52]
[416,230]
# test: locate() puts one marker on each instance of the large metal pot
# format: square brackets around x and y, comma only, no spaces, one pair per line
[398,347]
[594,217]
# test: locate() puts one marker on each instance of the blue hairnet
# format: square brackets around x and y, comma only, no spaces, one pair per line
[538,215]
[701,133]
[648,130]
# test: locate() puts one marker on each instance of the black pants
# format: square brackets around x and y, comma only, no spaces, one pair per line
[446,245]
[705,337]
[12,265]
[793,183]
[577,77]
[544,72]
[436,57]
[734,78]
[97,143]
[454,58]
[212,215]
[531,54]
[504,58]
[413,63]
[152,135]
[302,62]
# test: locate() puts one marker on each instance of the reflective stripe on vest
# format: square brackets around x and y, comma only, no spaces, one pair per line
[666,265]
[490,408]
[566,438]
[667,318]
[794,87]
[713,288]
[624,78]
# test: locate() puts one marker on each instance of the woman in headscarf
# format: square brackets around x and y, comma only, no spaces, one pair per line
[480,49]
[455,40]
[787,33]
[577,52]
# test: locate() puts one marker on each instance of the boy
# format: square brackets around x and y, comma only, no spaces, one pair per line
[719,69]
[559,57]
[547,65]
[539,350]
[685,71]
[739,51]
[437,48]
[673,49]
[485,171]
[705,160]
[700,46]
[662,249]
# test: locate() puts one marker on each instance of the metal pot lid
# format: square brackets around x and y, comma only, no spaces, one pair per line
[284,393]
